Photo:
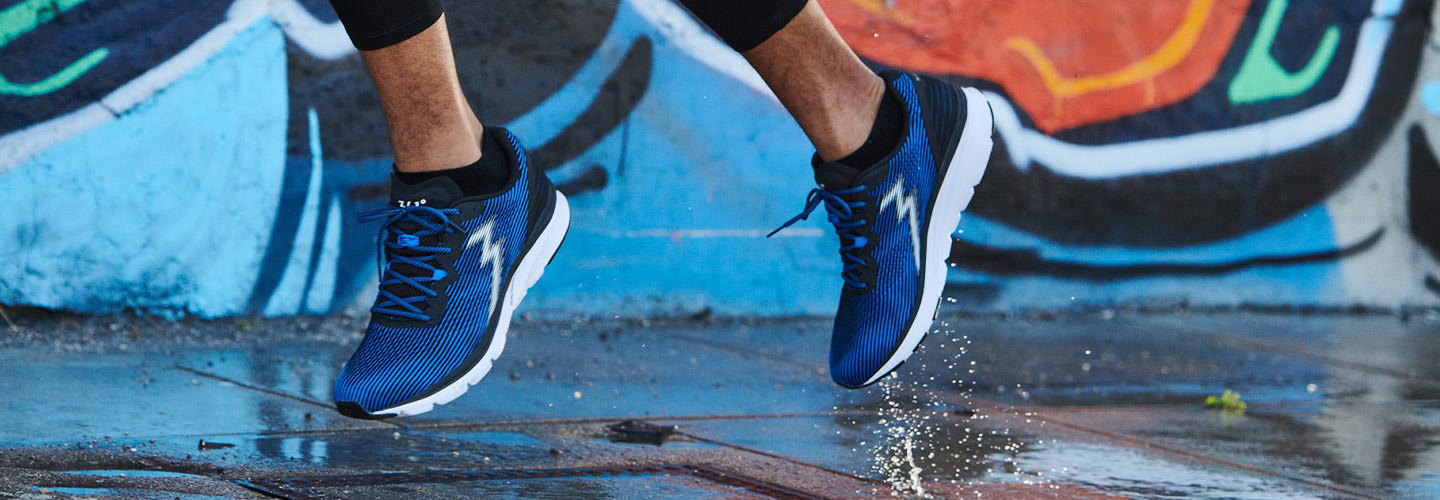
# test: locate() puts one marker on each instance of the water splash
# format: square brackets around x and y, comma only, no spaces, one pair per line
[902,434]
[926,444]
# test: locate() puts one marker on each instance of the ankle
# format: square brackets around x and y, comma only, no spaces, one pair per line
[487,174]
[437,155]
[448,143]
[853,119]
[883,133]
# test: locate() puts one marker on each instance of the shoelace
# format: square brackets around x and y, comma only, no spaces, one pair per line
[841,214]
[420,259]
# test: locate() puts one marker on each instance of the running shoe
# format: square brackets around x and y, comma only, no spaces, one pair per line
[895,220]
[453,270]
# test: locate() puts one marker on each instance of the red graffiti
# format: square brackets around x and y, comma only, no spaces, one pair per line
[1066,63]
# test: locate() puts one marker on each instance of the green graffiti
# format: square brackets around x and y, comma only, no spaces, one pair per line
[24,18]
[1261,78]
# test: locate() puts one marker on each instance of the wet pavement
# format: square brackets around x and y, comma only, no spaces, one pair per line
[1097,405]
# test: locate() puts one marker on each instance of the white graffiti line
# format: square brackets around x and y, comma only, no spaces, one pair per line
[1209,148]
[324,41]
[543,122]
[289,296]
[493,252]
[20,146]
[664,21]
[905,208]
[677,28]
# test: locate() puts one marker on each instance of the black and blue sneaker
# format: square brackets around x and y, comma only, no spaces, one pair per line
[453,269]
[895,221]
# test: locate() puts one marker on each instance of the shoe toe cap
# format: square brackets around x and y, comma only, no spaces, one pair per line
[353,409]
[361,396]
[858,354]
[372,382]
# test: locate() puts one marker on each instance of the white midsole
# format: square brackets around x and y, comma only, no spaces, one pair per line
[527,273]
[956,189]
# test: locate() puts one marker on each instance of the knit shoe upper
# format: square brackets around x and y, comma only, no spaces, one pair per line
[886,216]
[447,264]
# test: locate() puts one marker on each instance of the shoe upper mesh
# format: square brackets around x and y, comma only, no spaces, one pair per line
[869,326]
[398,364]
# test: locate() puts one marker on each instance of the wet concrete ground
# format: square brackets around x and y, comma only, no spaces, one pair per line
[1094,405]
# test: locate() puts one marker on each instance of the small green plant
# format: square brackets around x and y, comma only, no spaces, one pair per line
[1229,402]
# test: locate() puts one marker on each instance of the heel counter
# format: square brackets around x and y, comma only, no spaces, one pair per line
[943,107]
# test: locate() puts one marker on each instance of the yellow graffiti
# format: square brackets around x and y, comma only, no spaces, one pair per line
[1145,70]
[882,10]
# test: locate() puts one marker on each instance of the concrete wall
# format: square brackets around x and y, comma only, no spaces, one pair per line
[209,157]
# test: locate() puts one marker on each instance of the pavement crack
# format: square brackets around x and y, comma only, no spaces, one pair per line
[748,352]
[266,390]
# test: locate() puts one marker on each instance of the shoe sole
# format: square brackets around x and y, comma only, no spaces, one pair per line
[966,168]
[527,273]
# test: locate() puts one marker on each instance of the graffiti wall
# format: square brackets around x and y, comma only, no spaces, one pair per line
[209,158]
[1201,151]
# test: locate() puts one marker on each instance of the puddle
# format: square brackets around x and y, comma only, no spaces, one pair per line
[132,473]
[1426,485]
[75,491]
[117,492]
[631,487]
[495,438]
[669,481]
[370,449]
[1124,471]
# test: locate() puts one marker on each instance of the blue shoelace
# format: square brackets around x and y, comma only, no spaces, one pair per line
[841,214]
[419,259]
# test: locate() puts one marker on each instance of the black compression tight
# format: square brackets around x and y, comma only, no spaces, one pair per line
[744,24]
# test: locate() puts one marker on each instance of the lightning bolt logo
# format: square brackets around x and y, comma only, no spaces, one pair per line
[492,251]
[905,208]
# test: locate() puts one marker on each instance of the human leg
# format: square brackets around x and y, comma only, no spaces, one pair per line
[897,159]
[470,228]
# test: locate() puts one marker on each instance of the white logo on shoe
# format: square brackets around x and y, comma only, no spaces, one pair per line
[492,251]
[904,208]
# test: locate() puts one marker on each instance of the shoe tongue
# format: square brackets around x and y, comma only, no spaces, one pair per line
[438,192]
[832,176]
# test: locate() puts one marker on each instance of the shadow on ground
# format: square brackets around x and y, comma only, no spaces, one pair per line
[1076,406]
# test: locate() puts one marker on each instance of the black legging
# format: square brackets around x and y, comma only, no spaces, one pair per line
[374,24]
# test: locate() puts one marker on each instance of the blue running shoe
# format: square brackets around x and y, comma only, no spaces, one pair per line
[895,221]
[453,269]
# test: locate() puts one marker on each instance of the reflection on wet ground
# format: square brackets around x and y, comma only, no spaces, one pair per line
[637,487]
[1074,406]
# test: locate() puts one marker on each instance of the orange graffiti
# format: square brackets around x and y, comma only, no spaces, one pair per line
[1066,64]
[878,8]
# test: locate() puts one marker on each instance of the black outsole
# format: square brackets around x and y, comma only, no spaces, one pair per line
[353,410]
